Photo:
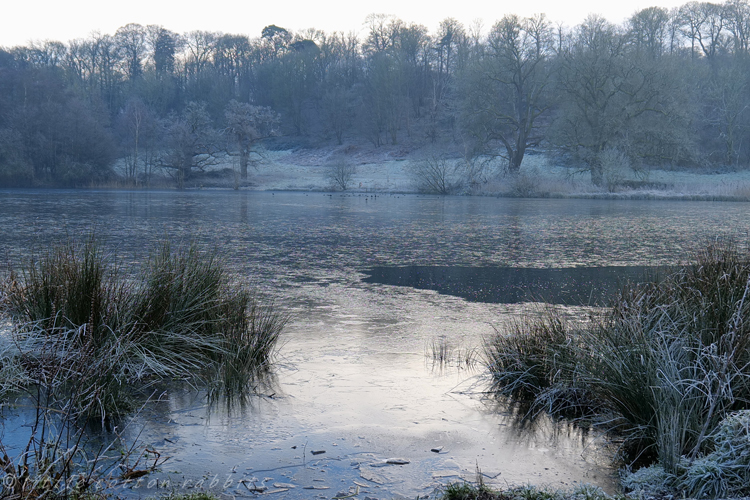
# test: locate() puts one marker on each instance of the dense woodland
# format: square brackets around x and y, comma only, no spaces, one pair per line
[666,88]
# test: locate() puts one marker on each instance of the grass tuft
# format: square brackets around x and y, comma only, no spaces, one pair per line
[179,319]
[445,354]
[84,342]
[479,491]
[661,369]
[530,366]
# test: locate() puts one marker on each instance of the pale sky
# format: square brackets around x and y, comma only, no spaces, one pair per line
[22,21]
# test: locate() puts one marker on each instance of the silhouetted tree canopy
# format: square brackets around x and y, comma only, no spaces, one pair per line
[667,87]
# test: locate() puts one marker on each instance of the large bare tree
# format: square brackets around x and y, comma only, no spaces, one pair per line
[192,143]
[247,125]
[504,93]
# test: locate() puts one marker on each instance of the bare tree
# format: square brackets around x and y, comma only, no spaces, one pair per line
[138,127]
[737,13]
[192,142]
[728,110]
[505,92]
[200,47]
[382,33]
[648,30]
[341,173]
[248,125]
[450,39]
[231,63]
[615,99]
[703,23]
[435,175]
[131,41]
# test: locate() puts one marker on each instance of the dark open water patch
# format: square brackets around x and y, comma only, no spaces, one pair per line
[584,286]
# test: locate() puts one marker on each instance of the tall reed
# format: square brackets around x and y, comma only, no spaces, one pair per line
[180,318]
[530,363]
[85,342]
[662,368]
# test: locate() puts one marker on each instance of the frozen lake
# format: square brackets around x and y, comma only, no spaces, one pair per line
[355,376]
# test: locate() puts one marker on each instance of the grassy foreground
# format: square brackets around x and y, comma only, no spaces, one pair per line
[469,491]
[666,371]
[82,342]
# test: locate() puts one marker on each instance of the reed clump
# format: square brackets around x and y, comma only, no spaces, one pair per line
[661,370]
[81,340]
[480,491]
[530,366]
[446,354]
[76,319]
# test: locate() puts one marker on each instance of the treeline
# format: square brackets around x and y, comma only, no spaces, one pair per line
[668,87]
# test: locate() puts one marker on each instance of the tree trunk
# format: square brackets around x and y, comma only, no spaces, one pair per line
[244,160]
[515,160]
[182,174]
[597,175]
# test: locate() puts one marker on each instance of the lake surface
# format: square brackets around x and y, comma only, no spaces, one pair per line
[573,286]
[355,375]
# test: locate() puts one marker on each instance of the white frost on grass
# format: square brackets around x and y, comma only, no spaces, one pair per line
[284,170]
[390,170]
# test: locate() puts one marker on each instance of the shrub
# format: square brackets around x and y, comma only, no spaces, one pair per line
[435,175]
[87,342]
[108,336]
[524,185]
[341,173]
[662,368]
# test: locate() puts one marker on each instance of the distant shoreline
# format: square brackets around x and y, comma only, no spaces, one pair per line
[384,170]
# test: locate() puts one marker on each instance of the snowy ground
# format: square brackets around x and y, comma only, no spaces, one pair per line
[285,170]
[391,170]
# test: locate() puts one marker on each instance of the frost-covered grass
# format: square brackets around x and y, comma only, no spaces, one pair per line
[540,176]
[722,472]
[664,370]
[394,169]
[179,318]
[479,491]
[80,341]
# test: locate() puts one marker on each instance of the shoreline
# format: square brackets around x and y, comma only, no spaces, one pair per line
[399,170]
[380,171]
[621,196]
